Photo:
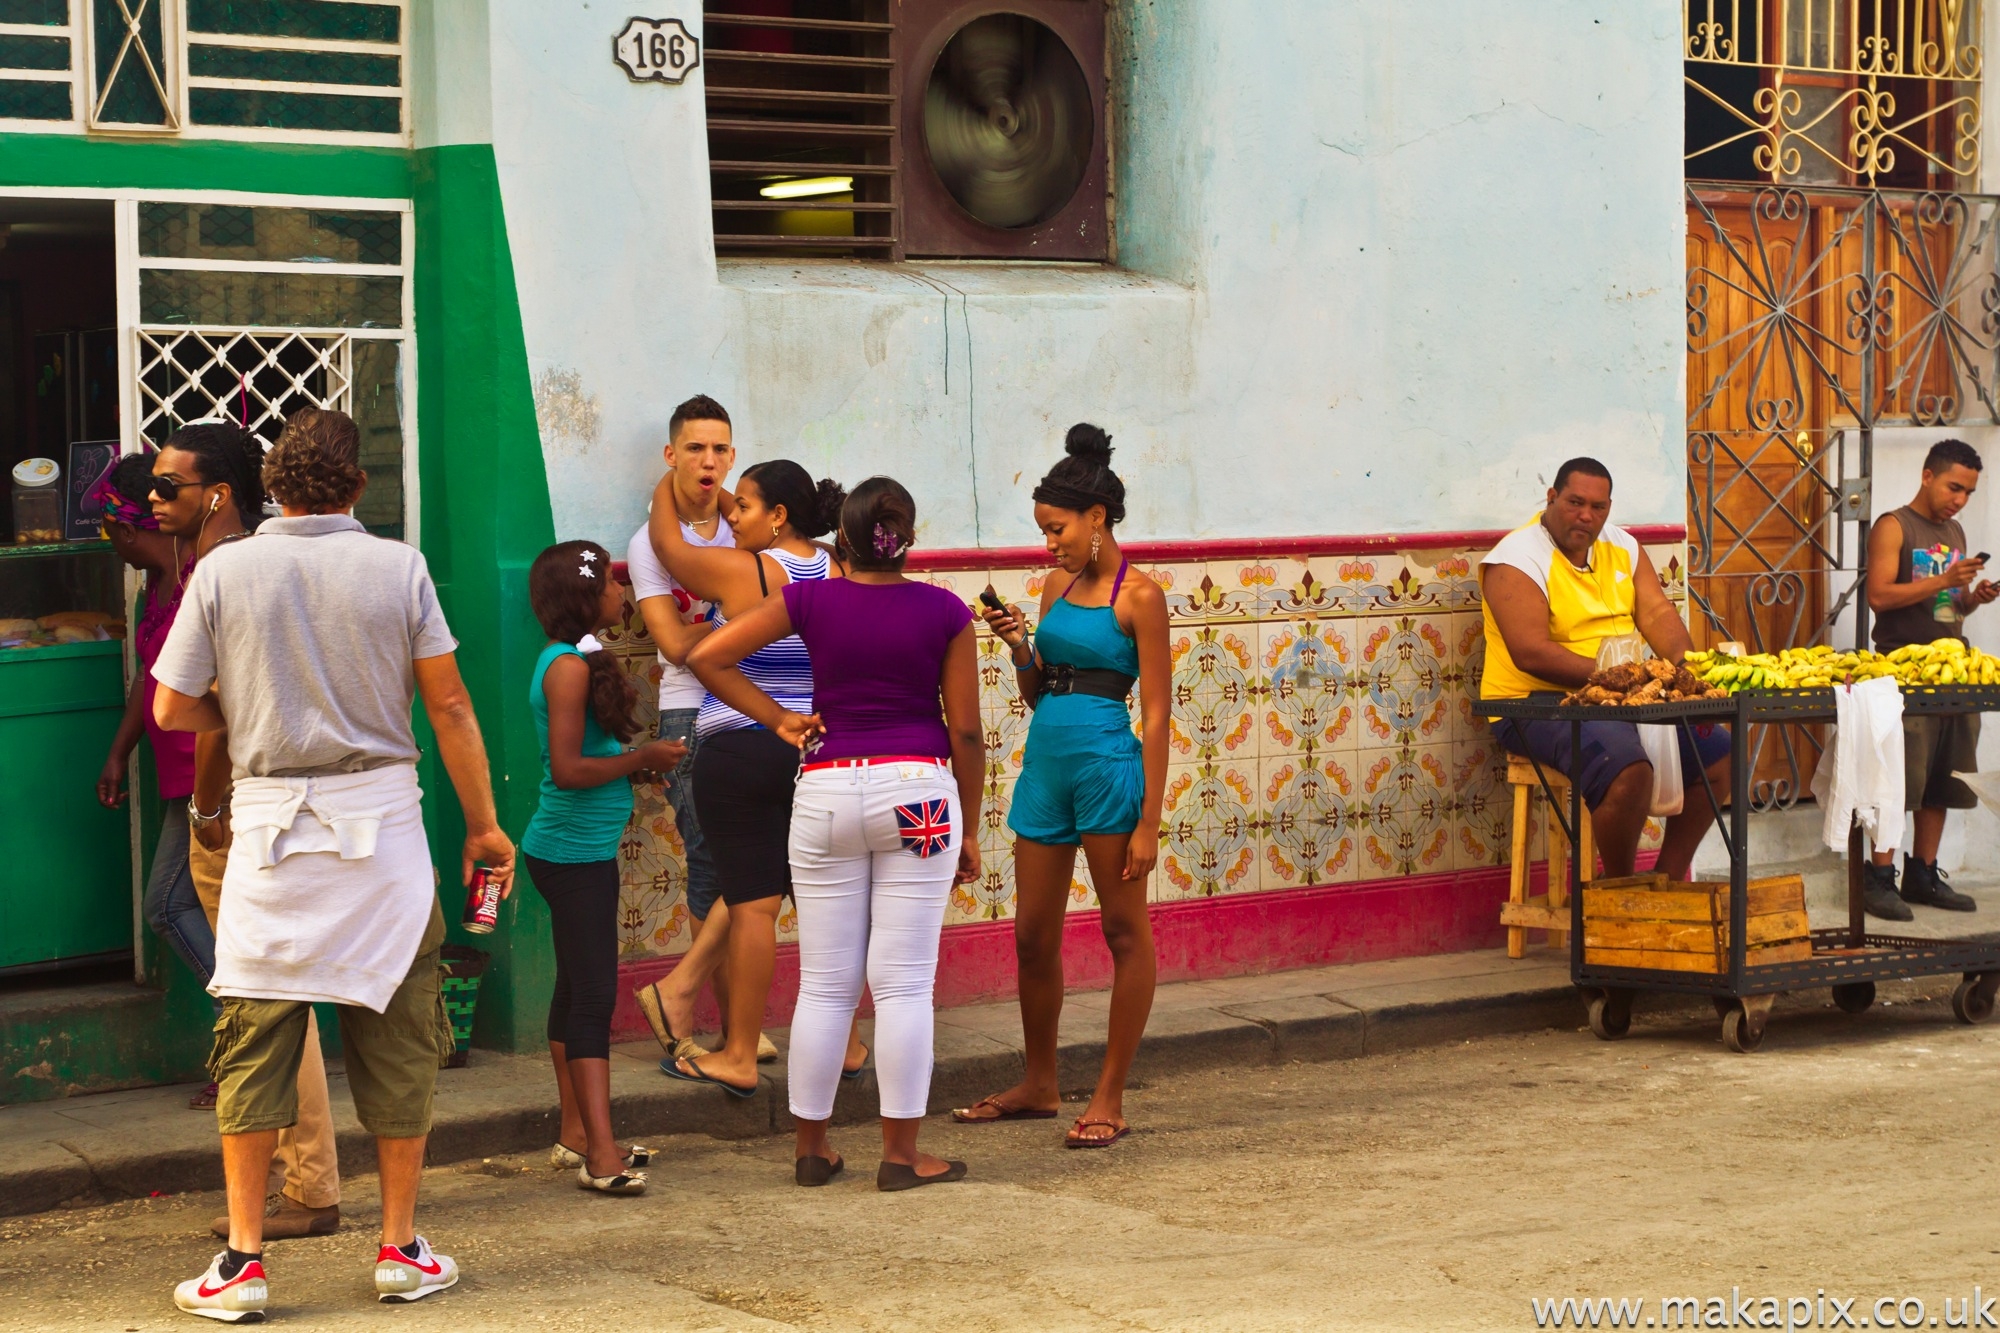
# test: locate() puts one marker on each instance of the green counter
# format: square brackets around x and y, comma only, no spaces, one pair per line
[66,877]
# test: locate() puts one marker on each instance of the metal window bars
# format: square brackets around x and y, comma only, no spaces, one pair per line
[1854,92]
[256,379]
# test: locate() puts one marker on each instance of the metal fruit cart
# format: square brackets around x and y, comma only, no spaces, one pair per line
[1848,959]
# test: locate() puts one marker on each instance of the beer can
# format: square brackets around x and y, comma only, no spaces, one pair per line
[482,903]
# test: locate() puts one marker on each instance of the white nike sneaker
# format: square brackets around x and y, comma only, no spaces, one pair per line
[239,1300]
[398,1277]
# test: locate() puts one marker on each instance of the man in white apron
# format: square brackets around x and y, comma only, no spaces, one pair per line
[310,641]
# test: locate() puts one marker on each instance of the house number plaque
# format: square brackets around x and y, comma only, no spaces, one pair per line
[656,50]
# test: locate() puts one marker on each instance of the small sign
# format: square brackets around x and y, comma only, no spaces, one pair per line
[89,460]
[656,50]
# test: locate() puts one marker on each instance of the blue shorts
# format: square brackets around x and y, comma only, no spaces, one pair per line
[1609,748]
[1077,780]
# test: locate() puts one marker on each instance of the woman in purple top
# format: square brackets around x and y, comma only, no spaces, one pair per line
[895,760]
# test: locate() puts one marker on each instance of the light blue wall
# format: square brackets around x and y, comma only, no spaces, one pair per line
[1384,266]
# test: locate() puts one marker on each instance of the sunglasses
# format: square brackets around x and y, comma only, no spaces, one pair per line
[167,488]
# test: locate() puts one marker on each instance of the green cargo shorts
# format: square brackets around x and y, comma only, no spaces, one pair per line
[392,1057]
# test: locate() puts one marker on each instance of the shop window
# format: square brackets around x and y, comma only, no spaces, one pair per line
[252,312]
[912,128]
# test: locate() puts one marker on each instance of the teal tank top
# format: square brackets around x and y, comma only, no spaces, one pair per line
[1085,636]
[571,827]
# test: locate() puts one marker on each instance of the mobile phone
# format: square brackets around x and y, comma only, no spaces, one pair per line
[1982,557]
[992,599]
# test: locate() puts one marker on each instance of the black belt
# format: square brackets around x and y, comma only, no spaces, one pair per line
[1100,682]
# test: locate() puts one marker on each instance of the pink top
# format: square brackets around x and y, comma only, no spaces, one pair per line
[173,751]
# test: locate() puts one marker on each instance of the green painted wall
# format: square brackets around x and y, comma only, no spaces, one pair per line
[486,515]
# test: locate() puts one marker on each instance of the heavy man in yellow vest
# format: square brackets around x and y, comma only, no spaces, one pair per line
[1552,592]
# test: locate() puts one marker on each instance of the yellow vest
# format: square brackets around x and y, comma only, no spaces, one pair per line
[1586,606]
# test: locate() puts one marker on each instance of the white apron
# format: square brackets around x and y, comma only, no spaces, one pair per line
[328,888]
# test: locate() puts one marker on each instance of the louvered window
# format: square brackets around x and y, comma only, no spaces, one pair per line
[890,128]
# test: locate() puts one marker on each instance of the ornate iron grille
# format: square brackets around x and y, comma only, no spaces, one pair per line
[1813,318]
[1844,92]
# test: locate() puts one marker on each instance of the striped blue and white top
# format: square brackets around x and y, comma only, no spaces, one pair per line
[782,669]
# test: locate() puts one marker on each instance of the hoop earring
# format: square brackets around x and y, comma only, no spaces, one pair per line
[775,529]
[1096,545]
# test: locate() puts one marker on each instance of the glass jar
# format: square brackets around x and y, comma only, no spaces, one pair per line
[38,518]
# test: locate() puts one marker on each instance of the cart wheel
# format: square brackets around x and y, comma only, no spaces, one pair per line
[1737,1034]
[1972,1002]
[1854,997]
[1611,1014]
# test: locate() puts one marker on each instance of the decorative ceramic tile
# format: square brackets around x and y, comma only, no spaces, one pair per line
[1483,806]
[1670,563]
[1407,799]
[1210,841]
[1324,729]
[1310,681]
[1404,662]
[1215,678]
[1307,820]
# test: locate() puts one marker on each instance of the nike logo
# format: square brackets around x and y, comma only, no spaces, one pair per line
[247,1275]
[391,1255]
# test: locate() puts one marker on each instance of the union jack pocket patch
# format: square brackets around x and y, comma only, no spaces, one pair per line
[925,826]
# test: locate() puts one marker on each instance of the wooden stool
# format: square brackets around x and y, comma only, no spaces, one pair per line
[1550,911]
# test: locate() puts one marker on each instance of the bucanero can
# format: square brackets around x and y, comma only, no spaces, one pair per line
[482,903]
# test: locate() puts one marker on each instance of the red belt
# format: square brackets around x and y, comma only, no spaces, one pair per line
[872,759]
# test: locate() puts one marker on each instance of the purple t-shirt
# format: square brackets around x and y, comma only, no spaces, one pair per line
[877,654]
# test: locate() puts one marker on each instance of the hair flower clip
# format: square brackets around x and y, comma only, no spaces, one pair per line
[887,544]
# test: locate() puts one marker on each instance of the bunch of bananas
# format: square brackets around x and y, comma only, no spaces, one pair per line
[1945,662]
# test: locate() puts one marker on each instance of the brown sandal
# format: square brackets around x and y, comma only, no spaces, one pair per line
[203,1100]
[964,1114]
[1074,1139]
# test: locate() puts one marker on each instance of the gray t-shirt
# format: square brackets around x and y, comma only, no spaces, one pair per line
[308,631]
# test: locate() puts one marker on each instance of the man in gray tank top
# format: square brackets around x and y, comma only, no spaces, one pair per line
[1923,580]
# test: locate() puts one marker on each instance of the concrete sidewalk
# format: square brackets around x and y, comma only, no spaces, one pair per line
[132,1144]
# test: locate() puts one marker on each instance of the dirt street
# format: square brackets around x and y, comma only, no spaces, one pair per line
[1441,1189]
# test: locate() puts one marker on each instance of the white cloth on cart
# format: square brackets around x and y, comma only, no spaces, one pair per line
[1860,777]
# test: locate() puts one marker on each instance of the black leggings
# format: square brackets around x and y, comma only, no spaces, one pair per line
[583,912]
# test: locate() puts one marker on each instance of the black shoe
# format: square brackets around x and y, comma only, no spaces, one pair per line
[1924,885]
[1879,896]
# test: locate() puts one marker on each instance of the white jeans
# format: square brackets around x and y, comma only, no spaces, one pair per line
[870,908]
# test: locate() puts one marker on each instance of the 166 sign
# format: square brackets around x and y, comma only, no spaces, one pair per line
[656,50]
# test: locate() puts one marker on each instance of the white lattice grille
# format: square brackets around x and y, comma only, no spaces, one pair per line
[257,379]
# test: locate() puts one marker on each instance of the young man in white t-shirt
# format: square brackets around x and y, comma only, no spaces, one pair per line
[699,455]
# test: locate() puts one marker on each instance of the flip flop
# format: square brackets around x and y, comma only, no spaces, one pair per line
[963,1115]
[849,1075]
[672,1069]
[1071,1140]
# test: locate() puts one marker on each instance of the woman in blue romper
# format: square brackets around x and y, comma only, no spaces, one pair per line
[1085,779]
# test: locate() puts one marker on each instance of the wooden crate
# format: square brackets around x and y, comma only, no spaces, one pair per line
[1646,921]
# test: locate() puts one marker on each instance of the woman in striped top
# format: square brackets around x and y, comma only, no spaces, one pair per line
[743,773]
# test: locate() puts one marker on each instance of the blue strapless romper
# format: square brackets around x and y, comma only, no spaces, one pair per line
[1082,769]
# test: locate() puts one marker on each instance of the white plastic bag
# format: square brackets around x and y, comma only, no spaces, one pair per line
[1662,744]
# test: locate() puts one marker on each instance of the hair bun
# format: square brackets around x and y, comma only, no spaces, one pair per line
[830,495]
[1089,443]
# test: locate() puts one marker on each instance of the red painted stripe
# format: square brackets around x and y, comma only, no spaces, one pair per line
[1232,935]
[1238,548]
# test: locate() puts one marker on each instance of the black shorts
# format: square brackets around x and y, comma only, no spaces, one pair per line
[743,785]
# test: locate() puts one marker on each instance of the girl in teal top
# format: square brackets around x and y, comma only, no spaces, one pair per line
[583,705]
[1085,779]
